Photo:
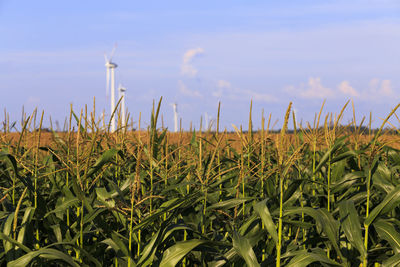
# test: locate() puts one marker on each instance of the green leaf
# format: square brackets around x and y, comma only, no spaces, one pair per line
[381,179]
[7,231]
[89,217]
[351,225]
[14,242]
[391,201]
[292,188]
[25,221]
[162,234]
[175,253]
[392,261]
[346,181]
[11,161]
[242,246]
[324,220]
[388,232]
[105,197]
[120,244]
[167,206]
[344,155]
[149,250]
[47,253]
[106,157]
[230,203]
[339,143]
[306,258]
[262,210]
[64,205]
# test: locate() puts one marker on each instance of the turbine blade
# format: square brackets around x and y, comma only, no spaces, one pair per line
[105,58]
[113,51]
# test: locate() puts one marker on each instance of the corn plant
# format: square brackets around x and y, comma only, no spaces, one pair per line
[326,195]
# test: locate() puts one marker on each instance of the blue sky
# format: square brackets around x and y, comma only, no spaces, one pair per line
[196,53]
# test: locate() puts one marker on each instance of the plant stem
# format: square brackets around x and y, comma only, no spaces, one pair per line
[279,246]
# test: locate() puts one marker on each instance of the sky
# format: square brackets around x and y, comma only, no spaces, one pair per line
[200,53]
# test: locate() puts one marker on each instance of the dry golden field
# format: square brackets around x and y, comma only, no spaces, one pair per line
[183,138]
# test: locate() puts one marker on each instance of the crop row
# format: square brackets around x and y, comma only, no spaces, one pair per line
[327,194]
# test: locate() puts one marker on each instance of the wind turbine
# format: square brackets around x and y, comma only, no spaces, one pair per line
[111,71]
[121,91]
[175,107]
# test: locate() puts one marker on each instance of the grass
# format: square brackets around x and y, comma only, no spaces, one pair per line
[326,195]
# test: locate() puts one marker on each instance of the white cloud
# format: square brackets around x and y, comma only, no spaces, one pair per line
[345,88]
[386,88]
[223,84]
[374,84]
[226,89]
[186,91]
[313,89]
[191,53]
[316,90]
[218,93]
[187,68]
[376,91]
[33,100]
[379,89]
[259,97]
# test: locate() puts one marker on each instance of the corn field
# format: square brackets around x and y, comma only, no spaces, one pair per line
[326,194]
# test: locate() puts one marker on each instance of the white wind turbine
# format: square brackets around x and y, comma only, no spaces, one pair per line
[121,91]
[175,107]
[111,71]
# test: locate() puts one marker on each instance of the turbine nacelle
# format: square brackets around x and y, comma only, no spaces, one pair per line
[174,106]
[111,65]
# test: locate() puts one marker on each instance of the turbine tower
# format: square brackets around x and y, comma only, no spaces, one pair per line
[111,84]
[175,107]
[121,91]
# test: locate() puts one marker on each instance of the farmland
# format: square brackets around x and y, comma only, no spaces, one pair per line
[326,194]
